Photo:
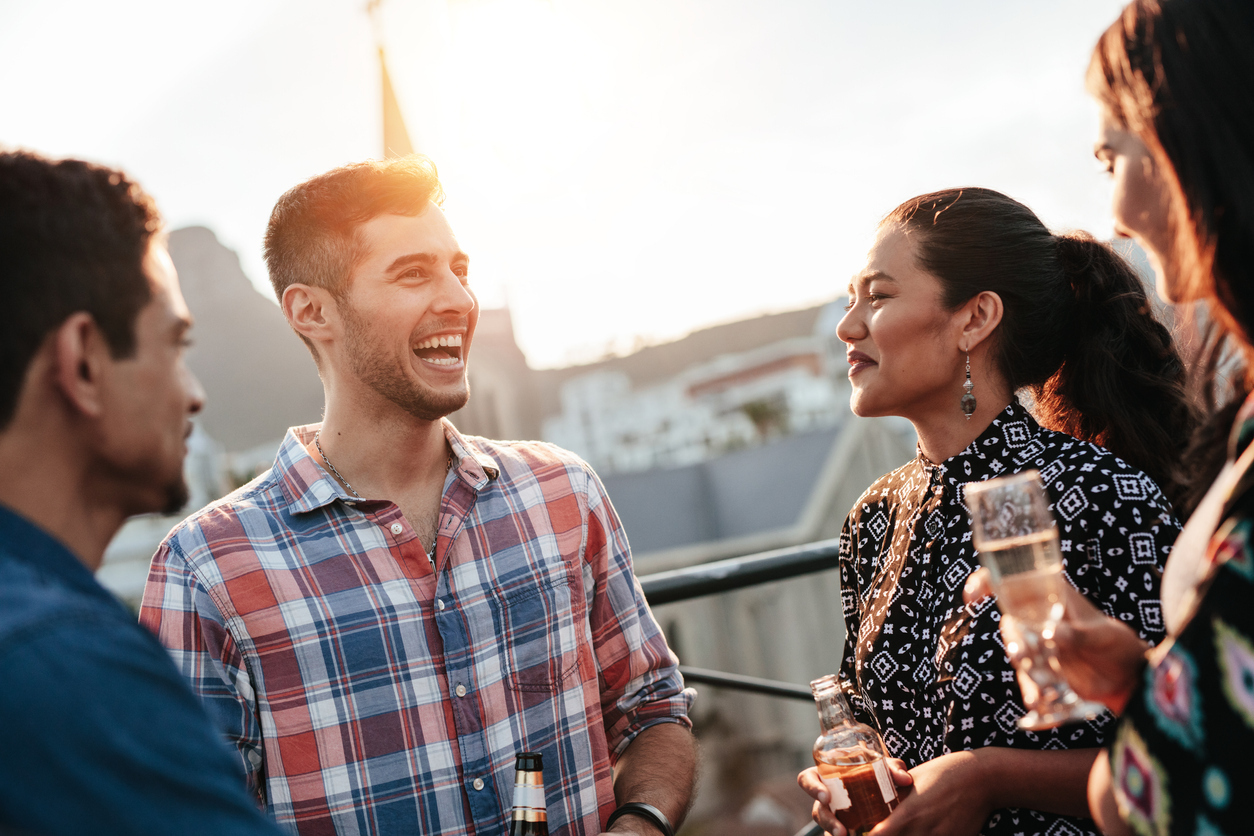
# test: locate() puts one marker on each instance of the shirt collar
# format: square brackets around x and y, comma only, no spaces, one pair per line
[308,486]
[23,540]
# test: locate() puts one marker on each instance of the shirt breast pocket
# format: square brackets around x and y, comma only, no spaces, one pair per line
[541,636]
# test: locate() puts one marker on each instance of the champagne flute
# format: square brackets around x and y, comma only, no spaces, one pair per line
[1017,541]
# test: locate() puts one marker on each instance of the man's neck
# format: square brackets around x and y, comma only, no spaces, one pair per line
[45,483]
[382,454]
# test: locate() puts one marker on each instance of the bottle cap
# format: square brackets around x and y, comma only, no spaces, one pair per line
[529,762]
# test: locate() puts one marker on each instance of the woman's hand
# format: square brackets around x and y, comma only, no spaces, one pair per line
[950,797]
[1099,657]
[810,781]
[956,793]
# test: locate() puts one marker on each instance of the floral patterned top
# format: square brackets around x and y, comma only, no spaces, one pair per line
[1183,756]
[932,669]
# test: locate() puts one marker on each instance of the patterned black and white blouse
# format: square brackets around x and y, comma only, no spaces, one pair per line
[933,669]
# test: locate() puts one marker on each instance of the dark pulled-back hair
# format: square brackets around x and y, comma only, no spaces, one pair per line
[73,237]
[1180,75]
[312,237]
[1077,329]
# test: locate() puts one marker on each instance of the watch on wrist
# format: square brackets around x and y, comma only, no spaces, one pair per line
[644,811]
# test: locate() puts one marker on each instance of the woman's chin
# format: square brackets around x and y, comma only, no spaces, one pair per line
[864,407]
[1167,283]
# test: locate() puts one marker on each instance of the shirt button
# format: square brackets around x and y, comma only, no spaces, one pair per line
[397,528]
[460,690]
[439,604]
[477,783]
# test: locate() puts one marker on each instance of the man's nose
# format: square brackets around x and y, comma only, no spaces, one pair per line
[195,394]
[456,296]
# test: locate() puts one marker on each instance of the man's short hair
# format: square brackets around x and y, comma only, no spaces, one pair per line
[312,235]
[73,237]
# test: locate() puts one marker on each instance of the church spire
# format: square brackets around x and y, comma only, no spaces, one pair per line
[396,142]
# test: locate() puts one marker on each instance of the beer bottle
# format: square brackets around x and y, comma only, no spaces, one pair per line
[851,761]
[530,814]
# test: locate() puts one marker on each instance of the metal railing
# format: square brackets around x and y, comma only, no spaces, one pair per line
[739,573]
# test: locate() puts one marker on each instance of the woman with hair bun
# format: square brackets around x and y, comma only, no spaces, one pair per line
[966,301]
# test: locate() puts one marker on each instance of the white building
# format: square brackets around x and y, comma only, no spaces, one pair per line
[724,403]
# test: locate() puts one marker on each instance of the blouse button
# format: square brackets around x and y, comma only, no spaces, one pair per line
[397,528]
[460,690]
[439,604]
[477,783]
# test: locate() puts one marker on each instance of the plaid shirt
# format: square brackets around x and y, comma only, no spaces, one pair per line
[368,691]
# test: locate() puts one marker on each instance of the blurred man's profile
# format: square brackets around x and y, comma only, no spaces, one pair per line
[100,734]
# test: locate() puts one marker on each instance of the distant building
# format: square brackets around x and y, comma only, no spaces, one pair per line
[718,404]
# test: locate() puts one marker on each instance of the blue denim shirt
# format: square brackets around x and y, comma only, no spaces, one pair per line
[98,732]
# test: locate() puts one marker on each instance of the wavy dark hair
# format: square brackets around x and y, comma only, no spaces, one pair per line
[1180,75]
[1077,328]
[73,237]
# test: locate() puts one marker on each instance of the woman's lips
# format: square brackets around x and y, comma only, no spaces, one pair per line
[858,361]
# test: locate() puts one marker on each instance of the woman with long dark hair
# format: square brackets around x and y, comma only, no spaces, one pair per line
[1175,79]
[967,302]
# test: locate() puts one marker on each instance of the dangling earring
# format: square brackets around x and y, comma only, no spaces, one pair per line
[968,400]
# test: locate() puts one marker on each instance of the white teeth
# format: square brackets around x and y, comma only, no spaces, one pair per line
[447,361]
[445,341]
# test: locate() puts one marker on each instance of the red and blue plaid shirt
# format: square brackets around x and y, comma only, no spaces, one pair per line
[368,691]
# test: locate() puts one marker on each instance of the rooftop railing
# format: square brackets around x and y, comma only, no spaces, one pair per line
[739,573]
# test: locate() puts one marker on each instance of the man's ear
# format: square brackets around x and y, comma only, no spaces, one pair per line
[981,315]
[311,311]
[81,363]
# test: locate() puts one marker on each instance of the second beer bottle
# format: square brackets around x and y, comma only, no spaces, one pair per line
[851,761]
[530,814]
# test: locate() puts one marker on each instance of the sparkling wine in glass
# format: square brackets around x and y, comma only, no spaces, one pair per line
[1017,541]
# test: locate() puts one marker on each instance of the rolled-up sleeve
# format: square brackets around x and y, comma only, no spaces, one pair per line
[639,675]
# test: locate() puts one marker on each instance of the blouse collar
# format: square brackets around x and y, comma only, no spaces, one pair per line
[1011,431]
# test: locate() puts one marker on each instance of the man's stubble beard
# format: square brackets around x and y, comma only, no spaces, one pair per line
[371,366]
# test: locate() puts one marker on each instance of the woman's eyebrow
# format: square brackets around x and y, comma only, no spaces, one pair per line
[867,278]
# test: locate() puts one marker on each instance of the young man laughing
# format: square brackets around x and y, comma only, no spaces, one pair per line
[393,611]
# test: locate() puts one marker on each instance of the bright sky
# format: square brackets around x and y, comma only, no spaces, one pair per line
[618,170]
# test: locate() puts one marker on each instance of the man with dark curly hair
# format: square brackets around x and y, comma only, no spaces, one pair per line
[100,734]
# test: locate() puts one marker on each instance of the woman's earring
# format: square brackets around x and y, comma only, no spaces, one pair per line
[968,400]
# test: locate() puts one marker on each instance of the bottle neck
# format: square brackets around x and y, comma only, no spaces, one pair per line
[529,795]
[833,709]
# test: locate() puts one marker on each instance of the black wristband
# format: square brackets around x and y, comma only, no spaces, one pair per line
[644,811]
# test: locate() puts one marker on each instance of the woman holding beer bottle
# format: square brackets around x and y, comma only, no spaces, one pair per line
[966,303]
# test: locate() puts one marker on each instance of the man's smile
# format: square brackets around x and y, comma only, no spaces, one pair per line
[440,350]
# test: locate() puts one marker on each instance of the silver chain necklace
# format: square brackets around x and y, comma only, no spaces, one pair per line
[448,465]
[321,452]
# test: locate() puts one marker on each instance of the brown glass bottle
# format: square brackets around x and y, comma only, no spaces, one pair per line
[851,761]
[530,814]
